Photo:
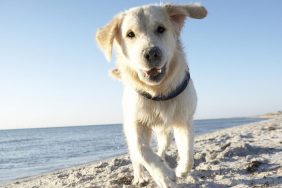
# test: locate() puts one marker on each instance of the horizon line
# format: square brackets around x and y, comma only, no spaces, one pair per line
[109,124]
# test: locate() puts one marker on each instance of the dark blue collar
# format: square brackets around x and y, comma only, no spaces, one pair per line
[179,89]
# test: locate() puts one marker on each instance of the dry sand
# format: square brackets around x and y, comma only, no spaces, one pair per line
[243,156]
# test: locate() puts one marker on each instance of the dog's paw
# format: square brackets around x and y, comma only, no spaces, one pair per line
[183,169]
[165,178]
[182,172]
[140,181]
[166,183]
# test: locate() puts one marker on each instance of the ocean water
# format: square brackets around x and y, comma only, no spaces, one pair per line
[28,152]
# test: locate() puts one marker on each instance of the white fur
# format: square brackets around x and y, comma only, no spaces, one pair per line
[141,115]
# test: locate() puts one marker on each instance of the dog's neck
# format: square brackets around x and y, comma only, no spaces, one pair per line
[174,93]
[176,73]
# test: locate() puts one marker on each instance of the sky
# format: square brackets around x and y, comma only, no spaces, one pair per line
[52,72]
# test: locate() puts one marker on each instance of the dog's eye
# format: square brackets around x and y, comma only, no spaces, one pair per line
[160,29]
[130,34]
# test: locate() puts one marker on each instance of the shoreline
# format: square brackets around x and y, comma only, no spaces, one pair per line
[248,154]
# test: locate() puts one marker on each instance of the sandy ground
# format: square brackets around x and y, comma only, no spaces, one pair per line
[244,156]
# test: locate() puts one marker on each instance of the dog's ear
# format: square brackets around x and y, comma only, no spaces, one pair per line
[178,13]
[105,36]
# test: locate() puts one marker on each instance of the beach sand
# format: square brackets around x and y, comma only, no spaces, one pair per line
[243,156]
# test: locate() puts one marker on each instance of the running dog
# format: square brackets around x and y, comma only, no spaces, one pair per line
[159,94]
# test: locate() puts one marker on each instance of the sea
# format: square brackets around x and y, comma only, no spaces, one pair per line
[29,152]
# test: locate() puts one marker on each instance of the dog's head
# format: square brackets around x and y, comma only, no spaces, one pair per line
[147,37]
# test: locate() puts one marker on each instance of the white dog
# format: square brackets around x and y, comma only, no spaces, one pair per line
[159,94]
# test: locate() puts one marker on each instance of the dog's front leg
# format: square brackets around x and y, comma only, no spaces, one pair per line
[138,139]
[184,139]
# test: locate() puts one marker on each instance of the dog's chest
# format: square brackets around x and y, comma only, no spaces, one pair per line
[156,113]
[151,113]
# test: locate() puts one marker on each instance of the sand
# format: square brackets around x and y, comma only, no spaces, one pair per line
[243,156]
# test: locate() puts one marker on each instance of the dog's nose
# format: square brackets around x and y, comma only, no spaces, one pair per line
[152,55]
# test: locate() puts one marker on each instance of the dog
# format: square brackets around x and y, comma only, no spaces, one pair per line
[159,94]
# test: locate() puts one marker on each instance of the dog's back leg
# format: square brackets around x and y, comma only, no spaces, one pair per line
[184,139]
[163,138]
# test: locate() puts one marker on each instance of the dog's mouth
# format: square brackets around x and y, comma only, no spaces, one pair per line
[154,74]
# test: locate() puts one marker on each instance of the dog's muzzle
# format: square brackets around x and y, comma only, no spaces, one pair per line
[153,56]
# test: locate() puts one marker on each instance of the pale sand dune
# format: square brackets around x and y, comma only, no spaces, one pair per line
[244,156]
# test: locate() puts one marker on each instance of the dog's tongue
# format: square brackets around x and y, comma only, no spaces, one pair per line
[153,72]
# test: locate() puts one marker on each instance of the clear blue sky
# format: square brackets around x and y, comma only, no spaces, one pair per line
[53,74]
